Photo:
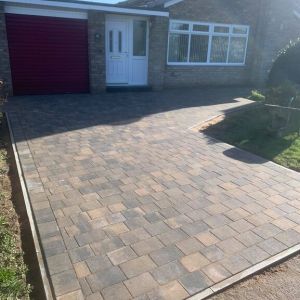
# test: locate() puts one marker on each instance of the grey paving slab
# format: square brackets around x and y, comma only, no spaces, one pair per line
[129,202]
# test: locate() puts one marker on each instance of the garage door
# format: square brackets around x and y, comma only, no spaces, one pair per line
[48,55]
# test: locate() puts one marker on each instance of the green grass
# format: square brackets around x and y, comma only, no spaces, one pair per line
[12,268]
[249,130]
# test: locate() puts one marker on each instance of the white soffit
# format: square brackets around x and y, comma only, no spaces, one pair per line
[89,6]
[172,2]
[10,9]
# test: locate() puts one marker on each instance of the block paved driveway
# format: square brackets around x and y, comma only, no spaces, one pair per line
[130,203]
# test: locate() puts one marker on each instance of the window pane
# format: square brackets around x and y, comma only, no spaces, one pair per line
[219,49]
[179,26]
[199,48]
[240,30]
[120,41]
[139,38]
[178,47]
[221,29]
[202,28]
[111,41]
[237,49]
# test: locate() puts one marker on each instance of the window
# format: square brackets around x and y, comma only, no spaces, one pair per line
[200,43]
[139,38]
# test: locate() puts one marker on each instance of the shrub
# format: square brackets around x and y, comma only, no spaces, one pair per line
[282,94]
[287,65]
[257,96]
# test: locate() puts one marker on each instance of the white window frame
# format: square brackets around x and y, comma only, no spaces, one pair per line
[210,34]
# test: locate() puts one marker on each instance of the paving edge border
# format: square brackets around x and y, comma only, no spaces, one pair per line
[229,282]
[245,107]
[45,279]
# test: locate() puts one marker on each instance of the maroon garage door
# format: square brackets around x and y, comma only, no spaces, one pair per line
[48,55]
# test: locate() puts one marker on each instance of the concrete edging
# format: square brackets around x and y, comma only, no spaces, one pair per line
[33,229]
[229,282]
[253,105]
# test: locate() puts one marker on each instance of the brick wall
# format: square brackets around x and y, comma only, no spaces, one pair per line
[216,11]
[4,55]
[158,37]
[96,33]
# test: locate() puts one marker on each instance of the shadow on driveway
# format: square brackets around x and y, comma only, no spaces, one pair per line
[47,115]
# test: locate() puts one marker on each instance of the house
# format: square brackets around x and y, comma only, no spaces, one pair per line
[60,46]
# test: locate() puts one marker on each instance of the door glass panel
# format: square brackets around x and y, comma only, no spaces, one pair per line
[139,38]
[111,41]
[120,41]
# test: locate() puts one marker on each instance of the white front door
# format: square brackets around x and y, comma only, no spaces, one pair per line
[126,50]
[117,57]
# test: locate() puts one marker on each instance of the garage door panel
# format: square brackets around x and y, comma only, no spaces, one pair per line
[48,55]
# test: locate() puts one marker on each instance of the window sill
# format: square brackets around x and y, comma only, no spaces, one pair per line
[204,65]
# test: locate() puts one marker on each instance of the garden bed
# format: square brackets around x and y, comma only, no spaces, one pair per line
[248,130]
[19,272]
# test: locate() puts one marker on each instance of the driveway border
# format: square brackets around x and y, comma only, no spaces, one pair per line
[43,270]
[231,281]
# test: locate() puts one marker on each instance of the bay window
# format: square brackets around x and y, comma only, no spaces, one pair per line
[192,43]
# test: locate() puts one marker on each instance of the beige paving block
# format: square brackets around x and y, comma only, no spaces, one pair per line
[194,261]
[81,269]
[116,292]
[117,207]
[207,238]
[141,284]
[121,255]
[116,229]
[216,272]
[170,291]
[138,266]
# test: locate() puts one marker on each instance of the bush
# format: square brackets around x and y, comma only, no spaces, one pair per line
[282,94]
[257,96]
[287,65]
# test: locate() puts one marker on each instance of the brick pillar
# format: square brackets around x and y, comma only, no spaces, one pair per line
[96,32]
[158,41]
[5,73]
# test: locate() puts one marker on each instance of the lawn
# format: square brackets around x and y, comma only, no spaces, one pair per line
[249,130]
[12,268]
